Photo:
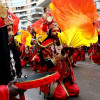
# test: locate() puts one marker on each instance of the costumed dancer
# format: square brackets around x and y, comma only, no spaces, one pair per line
[51,59]
[78,55]
[74,34]
[81,55]
[5,70]
[36,61]
[32,49]
[9,26]
[40,28]
[75,57]
[25,39]
[94,50]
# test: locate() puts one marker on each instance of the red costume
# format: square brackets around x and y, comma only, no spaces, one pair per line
[52,61]
[81,54]
[94,53]
[4,94]
[75,56]
[36,63]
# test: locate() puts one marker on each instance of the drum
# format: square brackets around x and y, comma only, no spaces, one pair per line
[37,80]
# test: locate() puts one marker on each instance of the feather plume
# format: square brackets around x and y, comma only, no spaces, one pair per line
[75,18]
[24,38]
[38,28]
[15,23]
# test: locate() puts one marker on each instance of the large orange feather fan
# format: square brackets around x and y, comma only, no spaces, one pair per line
[75,18]
[38,28]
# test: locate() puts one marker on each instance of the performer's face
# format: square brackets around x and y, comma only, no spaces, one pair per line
[54,32]
[10,32]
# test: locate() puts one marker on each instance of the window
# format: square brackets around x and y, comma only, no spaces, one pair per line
[20,3]
[4,4]
[33,4]
[29,17]
[38,10]
[34,0]
[33,10]
[29,11]
[28,1]
[17,14]
[9,4]
[3,1]
[29,6]
[18,8]
[23,18]
[23,23]
[39,15]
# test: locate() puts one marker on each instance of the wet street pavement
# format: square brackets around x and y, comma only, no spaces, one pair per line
[87,77]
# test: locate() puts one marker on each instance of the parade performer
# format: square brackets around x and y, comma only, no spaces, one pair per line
[75,21]
[94,50]
[40,28]
[81,54]
[69,16]
[25,39]
[78,55]
[51,59]
[9,27]
[16,55]
[75,57]
[36,62]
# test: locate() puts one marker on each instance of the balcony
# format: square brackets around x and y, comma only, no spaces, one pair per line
[22,10]
[34,2]
[33,13]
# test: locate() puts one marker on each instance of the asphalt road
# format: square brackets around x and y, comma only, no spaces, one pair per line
[87,77]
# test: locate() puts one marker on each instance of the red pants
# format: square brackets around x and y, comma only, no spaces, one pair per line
[60,93]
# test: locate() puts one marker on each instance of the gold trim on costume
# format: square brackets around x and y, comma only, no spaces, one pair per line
[7,21]
[54,61]
[64,88]
[47,58]
[41,46]
[60,56]
[37,79]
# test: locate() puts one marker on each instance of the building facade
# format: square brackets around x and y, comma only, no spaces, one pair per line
[98,7]
[43,3]
[26,10]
